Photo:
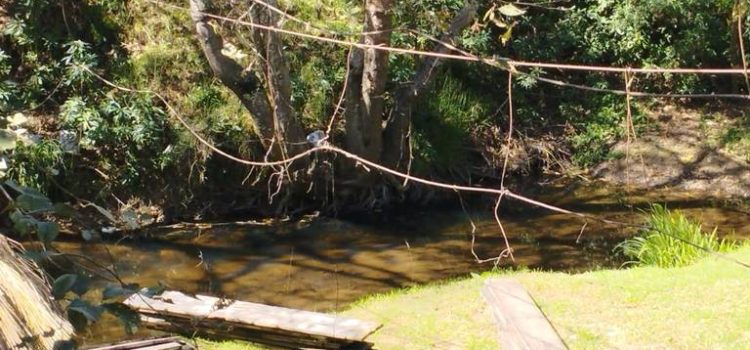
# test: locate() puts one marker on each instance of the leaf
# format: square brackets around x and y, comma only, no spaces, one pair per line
[63,210]
[78,320]
[23,189]
[15,186]
[82,285]
[23,224]
[511,10]
[33,202]
[508,34]
[32,192]
[47,231]
[152,291]
[7,140]
[63,284]
[90,312]
[64,345]
[112,292]
[129,319]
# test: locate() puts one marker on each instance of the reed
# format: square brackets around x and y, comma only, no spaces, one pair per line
[664,242]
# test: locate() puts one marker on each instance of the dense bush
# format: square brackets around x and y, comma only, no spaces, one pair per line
[45,57]
[661,33]
[125,142]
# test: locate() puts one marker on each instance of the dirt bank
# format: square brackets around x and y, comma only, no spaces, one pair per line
[688,149]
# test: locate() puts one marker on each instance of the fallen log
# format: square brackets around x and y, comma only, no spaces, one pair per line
[272,325]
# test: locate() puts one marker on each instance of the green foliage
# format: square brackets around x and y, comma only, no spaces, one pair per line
[74,291]
[314,89]
[46,46]
[26,209]
[337,15]
[218,115]
[82,313]
[443,124]
[164,66]
[665,242]
[664,33]
[601,126]
[78,60]
[7,87]
[30,212]
[129,138]
[128,132]
[34,165]
[63,284]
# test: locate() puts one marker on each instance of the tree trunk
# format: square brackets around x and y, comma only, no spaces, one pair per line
[288,129]
[367,80]
[396,138]
[276,124]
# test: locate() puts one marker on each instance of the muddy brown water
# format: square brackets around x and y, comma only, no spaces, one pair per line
[326,264]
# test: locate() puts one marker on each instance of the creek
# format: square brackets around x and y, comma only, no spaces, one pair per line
[325,264]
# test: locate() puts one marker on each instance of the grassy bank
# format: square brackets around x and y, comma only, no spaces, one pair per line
[704,305]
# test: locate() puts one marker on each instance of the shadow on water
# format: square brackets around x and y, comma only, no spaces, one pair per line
[327,264]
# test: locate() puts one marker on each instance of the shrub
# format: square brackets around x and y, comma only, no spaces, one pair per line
[34,165]
[664,242]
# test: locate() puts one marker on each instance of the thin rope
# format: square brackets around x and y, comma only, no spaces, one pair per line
[364,162]
[496,61]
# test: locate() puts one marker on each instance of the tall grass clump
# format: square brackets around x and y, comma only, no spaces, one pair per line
[663,242]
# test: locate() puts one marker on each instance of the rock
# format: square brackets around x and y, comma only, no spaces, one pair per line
[68,141]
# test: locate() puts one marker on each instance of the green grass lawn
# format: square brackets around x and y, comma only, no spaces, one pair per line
[702,306]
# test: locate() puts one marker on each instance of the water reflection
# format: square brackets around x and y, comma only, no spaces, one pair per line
[329,263]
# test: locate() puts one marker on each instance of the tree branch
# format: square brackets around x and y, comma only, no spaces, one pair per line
[272,115]
[288,130]
[395,151]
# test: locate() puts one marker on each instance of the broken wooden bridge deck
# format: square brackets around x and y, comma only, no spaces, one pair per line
[209,316]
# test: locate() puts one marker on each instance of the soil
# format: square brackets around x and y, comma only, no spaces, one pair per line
[687,150]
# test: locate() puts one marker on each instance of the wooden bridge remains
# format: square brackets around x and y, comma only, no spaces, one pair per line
[272,325]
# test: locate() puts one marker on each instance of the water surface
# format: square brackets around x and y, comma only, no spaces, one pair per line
[326,264]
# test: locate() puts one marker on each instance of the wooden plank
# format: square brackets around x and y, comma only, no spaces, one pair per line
[177,312]
[223,331]
[163,343]
[165,346]
[521,324]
